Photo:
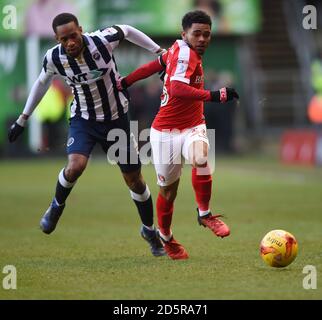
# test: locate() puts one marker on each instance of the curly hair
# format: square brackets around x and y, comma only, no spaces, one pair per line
[196,16]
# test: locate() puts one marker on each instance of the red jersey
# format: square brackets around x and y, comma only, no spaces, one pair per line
[185,65]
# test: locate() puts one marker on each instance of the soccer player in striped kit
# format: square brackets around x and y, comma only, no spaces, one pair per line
[179,128]
[86,63]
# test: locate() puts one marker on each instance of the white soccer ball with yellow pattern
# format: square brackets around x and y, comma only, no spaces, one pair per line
[278,248]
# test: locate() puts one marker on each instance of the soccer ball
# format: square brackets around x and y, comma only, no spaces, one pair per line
[278,248]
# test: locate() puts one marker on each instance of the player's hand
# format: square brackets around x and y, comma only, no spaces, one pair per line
[231,94]
[14,132]
[224,94]
[161,51]
[121,84]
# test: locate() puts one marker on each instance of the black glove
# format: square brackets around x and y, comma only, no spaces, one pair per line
[124,84]
[224,94]
[121,84]
[14,132]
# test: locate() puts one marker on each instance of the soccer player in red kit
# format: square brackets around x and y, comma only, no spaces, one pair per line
[179,128]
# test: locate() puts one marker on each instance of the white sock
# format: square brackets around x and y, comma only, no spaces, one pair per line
[203,213]
[164,237]
[62,180]
[141,197]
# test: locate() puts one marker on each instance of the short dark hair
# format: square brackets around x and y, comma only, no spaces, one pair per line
[196,16]
[63,18]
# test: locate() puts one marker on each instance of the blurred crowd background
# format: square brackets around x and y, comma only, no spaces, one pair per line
[260,47]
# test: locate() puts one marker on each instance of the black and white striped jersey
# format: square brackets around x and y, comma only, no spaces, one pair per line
[92,76]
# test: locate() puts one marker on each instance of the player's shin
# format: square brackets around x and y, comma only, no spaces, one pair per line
[202,185]
[164,213]
[144,205]
[63,188]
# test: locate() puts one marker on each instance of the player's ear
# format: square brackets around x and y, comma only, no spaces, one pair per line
[183,35]
[56,37]
[81,29]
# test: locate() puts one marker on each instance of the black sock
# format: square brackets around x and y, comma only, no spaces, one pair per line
[145,209]
[144,205]
[63,188]
[61,193]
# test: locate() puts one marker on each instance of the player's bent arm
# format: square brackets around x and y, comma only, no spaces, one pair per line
[139,38]
[145,71]
[182,90]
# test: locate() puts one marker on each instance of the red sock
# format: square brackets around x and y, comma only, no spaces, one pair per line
[164,213]
[202,185]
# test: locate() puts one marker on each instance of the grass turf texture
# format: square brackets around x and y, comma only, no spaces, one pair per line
[96,251]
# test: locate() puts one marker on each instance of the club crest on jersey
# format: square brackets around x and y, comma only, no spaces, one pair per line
[96,56]
[70,141]
[161,177]
[88,77]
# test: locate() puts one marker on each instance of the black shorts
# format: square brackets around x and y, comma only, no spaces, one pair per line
[113,136]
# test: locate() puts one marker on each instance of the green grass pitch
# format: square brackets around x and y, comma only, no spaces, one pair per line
[96,251]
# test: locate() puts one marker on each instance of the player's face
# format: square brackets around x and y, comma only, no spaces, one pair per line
[198,37]
[70,37]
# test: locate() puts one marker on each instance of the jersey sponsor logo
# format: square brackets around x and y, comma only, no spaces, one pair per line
[70,141]
[88,77]
[199,79]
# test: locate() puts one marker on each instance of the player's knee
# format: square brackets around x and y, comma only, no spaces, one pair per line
[74,170]
[135,182]
[169,194]
[137,186]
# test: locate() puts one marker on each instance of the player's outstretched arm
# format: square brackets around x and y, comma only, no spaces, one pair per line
[140,39]
[140,73]
[37,92]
